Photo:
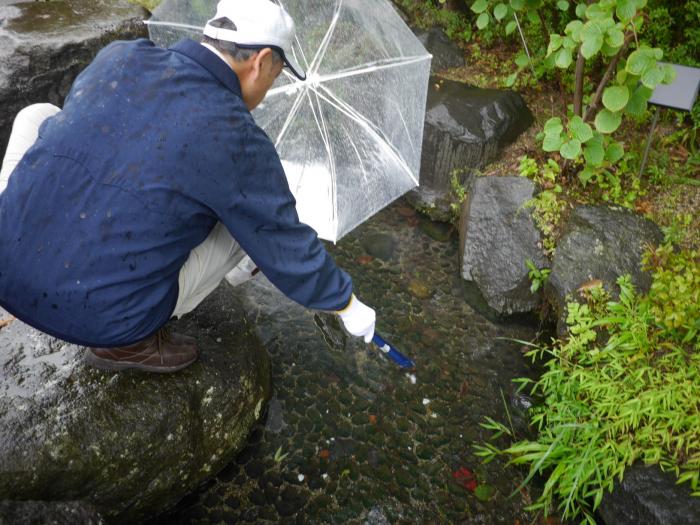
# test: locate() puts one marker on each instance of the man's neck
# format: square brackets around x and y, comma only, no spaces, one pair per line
[217,53]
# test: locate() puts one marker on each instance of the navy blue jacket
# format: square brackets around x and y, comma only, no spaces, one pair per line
[152,148]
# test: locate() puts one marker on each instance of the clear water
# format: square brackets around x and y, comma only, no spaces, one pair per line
[351,438]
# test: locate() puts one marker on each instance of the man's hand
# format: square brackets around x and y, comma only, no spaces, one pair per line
[358,319]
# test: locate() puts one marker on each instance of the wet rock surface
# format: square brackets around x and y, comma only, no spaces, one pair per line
[48,513]
[44,45]
[599,242]
[350,438]
[497,236]
[465,128]
[446,54]
[649,496]
[131,444]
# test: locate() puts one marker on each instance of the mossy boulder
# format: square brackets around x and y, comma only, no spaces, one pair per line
[465,128]
[44,45]
[497,236]
[131,444]
[599,243]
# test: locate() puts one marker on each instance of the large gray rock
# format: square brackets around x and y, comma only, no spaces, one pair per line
[48,513]
[599,242]
[44,45]
[497,236]
[131,444]
[446,54]
[465,128]
[651,497]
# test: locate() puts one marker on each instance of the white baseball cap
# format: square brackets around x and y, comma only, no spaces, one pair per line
[258,24]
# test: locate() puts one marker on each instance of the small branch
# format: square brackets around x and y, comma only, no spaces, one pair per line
[578,84]
[606,78]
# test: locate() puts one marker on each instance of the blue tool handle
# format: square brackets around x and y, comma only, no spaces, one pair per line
[392,353]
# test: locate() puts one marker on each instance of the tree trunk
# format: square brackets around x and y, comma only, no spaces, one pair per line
[578,84]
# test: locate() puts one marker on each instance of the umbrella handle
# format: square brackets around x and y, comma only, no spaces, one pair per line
[392,353]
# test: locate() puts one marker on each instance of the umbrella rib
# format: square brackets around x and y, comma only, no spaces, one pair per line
[326,39]
[173,24]
[331,161]
[353,114]
[290,116]
[371,67]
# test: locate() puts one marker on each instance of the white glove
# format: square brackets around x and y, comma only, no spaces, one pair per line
[358,319]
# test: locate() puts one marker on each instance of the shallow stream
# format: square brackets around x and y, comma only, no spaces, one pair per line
[351,438]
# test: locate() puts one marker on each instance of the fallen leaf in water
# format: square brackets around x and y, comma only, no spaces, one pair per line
[406,211]
[464,388]
[373,419]
[465,478]
[484,492]
[324,454]
[365,259]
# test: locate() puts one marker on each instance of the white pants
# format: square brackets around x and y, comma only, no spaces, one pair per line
[217,257]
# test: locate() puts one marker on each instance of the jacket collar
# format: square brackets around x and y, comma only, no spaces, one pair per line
[209,61]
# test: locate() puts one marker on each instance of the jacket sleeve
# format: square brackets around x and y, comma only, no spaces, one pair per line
[262,217]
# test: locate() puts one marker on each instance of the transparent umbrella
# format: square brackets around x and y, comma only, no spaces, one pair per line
[349,136]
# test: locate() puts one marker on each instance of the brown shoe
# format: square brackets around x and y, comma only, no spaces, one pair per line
[163,352]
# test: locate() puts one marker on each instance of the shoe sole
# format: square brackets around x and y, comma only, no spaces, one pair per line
[115,366]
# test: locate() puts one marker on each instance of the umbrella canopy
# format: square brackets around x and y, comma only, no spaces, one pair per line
[349,136]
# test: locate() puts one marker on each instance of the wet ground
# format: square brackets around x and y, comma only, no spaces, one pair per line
[351,438]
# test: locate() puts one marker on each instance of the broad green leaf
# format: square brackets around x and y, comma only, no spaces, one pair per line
[615,97]
[555,42]
[596,11]
[533,18]
[551,143]
[480,6]
[658,53]
[521,60]
[614,152]
[626,9]
[510,79]
[569,43]
[653,77]
[553,126]
[518,5]
[594,153]
[563,59]
[563,5]
[608,51]
[615,38]
[592,39]
[606,121]
[640,61]
[585,175]
[500,11]
[669,74]
[581,10]
[573,29]
[580,130]
[621,76]
[483,20]
[641,4]
[571,150]
[510,27]
[637,104]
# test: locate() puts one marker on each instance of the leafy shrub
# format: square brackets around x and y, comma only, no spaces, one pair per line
[622,388]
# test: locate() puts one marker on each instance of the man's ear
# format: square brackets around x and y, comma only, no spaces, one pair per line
[259,60]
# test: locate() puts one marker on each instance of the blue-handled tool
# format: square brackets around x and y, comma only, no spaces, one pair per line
[392,353]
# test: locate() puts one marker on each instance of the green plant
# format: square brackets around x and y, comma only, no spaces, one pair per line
[538,276]
[547,207]
[279,457]
[622,388]
[459,193]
